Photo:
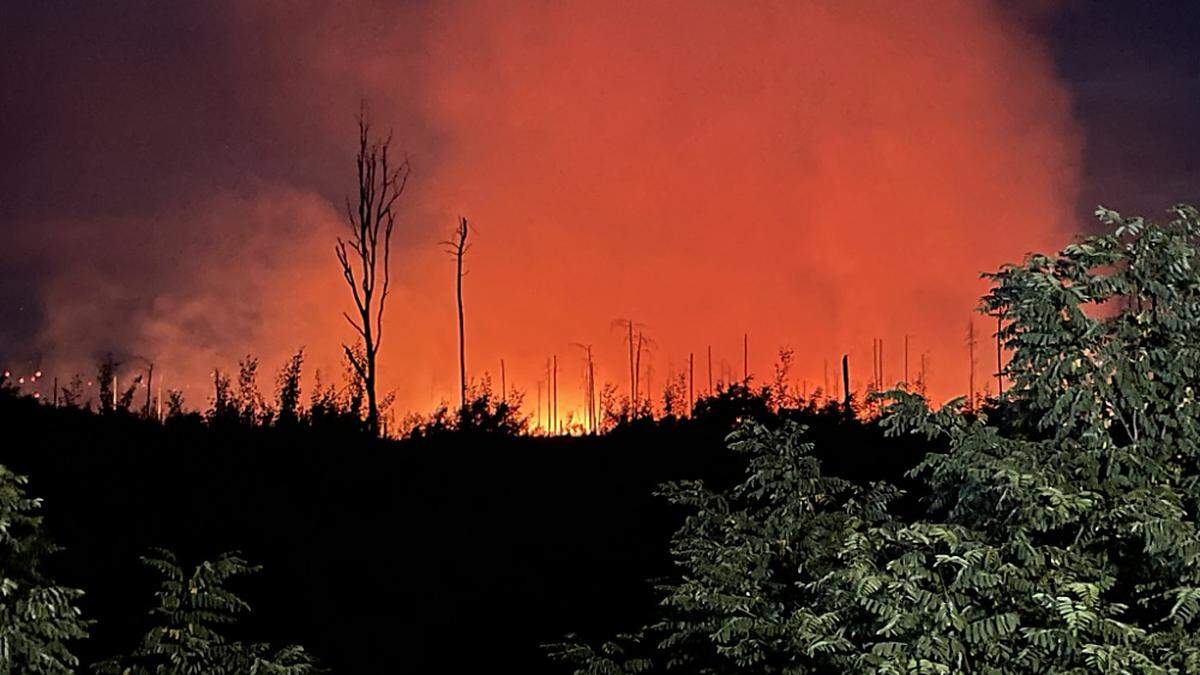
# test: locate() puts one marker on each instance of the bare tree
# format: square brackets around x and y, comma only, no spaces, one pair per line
[846,382]
[458,247]
[746,359]
[710,386]
[380,184]
[691,384]
[906,359]
[638,343]
[589,386]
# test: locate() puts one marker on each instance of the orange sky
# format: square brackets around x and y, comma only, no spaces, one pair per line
[815,175]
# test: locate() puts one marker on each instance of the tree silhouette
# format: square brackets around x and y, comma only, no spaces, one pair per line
[287,397]
[106,380]
[458,247]
[637,343]
[371,225]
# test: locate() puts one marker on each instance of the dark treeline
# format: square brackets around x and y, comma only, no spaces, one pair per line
[383,552]
[1054,530]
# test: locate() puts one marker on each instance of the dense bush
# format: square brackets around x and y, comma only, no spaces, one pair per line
[38,617]
[188,638]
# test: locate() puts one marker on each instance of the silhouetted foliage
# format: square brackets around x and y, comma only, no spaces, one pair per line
[38,617]
[287,398]
[252,409]
[175,404]
[674,397]
[187,639]
[105,380]
[408,544]
[7,390]
[224,408]
[485,413]
[125,400]
[734,403]
[71,393]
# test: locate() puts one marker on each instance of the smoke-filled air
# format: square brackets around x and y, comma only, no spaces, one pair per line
[740,177]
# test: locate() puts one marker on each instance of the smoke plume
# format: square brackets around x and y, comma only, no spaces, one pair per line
[815,175]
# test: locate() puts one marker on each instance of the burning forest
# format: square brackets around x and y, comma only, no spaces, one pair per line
[430,330]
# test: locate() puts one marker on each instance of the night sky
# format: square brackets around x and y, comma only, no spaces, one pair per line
[815,175]
[1133,70]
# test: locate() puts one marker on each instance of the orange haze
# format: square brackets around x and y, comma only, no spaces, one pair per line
[813,174]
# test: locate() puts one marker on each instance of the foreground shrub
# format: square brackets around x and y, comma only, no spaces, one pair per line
[192,607]
[38,617]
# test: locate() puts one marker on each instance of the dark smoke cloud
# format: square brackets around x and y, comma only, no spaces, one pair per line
[168,166]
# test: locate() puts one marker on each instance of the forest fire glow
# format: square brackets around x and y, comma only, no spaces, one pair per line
[812,176]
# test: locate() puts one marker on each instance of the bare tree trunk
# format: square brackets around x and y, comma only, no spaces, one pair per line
[691,383]
[503,384]
[587,391]
[592,407]
[371,224]
[746,359]
[710,389]
[875,364]
[458,248]
[649,390]
[149,390]
[462,347]
[637,371]
[589,387]
[846,381]
[591,391]
[632,373]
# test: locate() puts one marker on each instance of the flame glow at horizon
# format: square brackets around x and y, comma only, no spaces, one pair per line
[814,175]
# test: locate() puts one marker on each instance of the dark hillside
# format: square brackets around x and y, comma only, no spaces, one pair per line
[455,552]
